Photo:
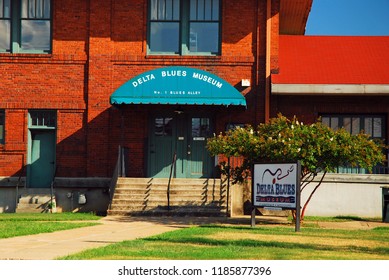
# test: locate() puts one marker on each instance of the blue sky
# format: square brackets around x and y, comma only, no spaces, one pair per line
[349,17]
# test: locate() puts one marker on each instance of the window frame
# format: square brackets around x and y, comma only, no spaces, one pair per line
[16,25]
[4,17]
[184,22]
[42,119]
[362,118]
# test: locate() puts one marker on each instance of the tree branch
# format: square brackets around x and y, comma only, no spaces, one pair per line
[310,196]
[305,182]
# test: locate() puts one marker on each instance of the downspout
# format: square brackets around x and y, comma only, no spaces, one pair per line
[122,172]
[268,60]
[121,126]
[257,64]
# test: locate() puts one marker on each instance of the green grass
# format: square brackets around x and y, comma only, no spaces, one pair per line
[12,225]
[209,242]
[272,243]
[48,217]
[340,219]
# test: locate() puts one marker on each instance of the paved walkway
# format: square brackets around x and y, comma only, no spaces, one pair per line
[49,246]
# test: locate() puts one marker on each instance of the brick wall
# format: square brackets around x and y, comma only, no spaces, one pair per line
[48,81]
[98,46]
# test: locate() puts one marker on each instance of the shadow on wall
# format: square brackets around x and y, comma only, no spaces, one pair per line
[85,155]
[70,160]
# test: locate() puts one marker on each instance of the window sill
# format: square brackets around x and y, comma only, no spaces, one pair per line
[22,54]
[181,59]
[187,56]
[12,56]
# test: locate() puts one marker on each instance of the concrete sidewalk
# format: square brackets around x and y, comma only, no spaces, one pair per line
[113,229]
[49,246]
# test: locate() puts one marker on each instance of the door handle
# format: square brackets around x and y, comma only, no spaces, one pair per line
[189,150]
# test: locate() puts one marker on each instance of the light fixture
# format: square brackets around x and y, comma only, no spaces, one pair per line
[246,82]
[179,110]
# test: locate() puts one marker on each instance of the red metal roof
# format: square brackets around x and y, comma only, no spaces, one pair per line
[333,60]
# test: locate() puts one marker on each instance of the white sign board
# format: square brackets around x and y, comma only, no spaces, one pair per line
[275,185]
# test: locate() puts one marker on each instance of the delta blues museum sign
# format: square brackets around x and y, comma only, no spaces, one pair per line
[177,86]
[276,185]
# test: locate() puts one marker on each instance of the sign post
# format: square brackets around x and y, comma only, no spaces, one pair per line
[276,186]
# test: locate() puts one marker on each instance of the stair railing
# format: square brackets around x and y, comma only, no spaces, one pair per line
[53,203]
[172,167]
[228,184]
[119,171]
[17,188]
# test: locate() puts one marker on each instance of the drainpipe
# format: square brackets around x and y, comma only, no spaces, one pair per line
[268,61]
[121,126]
[257,64]
[122,172]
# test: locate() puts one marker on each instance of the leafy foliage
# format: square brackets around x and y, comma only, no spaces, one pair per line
[316,146]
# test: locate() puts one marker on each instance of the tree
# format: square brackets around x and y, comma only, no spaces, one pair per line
[318,148]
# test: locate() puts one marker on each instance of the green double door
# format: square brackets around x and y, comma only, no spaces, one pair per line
[181,137]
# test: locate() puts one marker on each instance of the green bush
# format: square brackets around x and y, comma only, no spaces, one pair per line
[319,148]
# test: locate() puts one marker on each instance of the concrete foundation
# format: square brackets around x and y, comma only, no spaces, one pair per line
[340,194]
[71,194]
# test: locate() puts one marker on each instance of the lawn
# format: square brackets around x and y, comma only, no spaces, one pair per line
[12,225]
[210,242]
[243,242]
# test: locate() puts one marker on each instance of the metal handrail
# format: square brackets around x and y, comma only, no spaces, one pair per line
[173,166]
[52,188]
[119,171]
[17,188]
[228,183]
[115,177]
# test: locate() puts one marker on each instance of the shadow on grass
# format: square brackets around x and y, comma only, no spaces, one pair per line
[268,244]
[353,218]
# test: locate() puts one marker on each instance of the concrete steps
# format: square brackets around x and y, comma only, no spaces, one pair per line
[33,201]
[188,197]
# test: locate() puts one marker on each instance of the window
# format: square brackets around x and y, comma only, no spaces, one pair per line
[185,27]
[2,124]
[5,25]
[42,119]
[201,128]
[163,126]
[25,26]
[374,125]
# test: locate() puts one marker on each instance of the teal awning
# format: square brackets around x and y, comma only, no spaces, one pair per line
[177,85]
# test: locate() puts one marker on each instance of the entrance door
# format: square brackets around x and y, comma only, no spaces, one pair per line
[199,161]
[182,137]
[42,161]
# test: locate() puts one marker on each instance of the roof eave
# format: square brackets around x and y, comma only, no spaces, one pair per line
[294,16]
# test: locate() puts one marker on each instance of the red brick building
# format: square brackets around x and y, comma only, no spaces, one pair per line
[79,78]
[85,50]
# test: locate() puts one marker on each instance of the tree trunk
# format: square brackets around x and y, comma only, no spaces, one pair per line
[310,196]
